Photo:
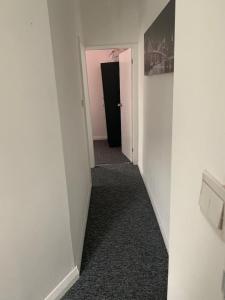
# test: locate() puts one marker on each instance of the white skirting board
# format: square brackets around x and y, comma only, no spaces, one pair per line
[61,289]
[153,202]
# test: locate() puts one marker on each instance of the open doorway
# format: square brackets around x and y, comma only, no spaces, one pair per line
[109,76]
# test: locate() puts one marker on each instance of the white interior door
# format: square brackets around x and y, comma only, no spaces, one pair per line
[125,60]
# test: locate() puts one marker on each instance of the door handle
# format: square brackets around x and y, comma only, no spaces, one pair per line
[119,104]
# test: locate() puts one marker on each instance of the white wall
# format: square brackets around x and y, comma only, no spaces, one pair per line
[36,250]
[65,28]
[196,254]
[94,58]
[110,22]
[155,125]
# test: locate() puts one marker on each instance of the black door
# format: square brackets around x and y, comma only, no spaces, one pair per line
[111,89]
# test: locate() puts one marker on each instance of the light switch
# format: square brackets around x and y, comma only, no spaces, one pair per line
[223,284]
[223,225]
[215,212]
[205,197]
[212,201]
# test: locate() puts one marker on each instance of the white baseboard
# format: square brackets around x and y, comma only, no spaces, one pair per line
[153,201]
[100,138]
[61,289]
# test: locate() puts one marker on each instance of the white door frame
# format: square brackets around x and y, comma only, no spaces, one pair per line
[86,103]
[134,50]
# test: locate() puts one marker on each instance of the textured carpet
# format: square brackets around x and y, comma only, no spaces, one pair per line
[124,254]
[108,155]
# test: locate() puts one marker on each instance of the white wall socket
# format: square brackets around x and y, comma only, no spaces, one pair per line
[223,284]
[212,203]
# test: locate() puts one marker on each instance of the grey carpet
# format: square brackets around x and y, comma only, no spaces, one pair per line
[124,254]
[108,155]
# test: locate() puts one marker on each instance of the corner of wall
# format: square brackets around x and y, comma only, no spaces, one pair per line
[83,229]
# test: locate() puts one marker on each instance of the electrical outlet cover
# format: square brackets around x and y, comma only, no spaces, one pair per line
[223,284]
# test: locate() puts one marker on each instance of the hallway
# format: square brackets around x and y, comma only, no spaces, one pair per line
[124,255]
[104,154]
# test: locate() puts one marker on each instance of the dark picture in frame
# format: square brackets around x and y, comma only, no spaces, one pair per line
[159,43]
